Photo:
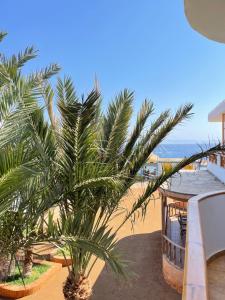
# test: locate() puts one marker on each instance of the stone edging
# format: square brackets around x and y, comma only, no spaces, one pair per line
[61,260]
[18,291]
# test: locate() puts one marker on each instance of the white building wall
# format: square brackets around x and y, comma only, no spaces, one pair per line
[212,211]
[217,171]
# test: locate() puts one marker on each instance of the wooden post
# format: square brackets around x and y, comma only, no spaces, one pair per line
[223,128]
[163,203]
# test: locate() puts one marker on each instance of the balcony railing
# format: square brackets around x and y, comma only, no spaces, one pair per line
[176,208]
[172,236]
[174,252]
[217,159]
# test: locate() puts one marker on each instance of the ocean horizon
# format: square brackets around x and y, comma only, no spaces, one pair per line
[179,150]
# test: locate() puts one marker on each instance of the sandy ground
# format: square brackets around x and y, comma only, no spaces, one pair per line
[142,247]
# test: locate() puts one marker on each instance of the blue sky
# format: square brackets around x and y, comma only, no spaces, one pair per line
[146,46]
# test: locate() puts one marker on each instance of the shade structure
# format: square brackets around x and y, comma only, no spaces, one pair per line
[216,115]
[207,17]
[153,158]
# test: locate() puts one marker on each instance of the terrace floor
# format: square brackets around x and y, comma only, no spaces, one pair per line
[142,247]
[193,183]
[216,278]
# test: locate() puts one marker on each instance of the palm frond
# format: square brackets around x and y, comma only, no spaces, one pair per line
[109,182]
[23,57]
[77,236]
[115,125]
[14,178]
[146,110]
[154,126]
[159,135]
[38,77]
[154,184]
[2,35]
[49,98]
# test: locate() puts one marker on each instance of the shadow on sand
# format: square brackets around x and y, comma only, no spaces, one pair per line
[144,253]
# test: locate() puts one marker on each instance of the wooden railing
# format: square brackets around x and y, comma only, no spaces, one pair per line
[174,252]
[176,208]
[218,159]
[213,158]
[222,161]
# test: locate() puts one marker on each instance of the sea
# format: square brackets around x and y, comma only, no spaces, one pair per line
[179,150]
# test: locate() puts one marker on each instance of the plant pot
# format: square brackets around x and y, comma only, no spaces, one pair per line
[19,291]
[61,260]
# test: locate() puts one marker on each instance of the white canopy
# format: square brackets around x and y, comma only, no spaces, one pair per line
[207,17]
[216,114]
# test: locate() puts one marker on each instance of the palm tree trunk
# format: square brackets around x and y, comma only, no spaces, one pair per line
[28,262]
[77,289]
[7,267]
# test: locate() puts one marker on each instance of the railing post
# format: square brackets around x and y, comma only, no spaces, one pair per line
[173,251]
[163,203]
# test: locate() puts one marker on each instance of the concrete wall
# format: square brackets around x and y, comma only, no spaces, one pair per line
[217,171]
[172,274]
[205,238]
[212,215]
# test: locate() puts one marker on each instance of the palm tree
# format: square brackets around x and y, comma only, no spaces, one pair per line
[93,145]
[80,160]
[19,171]
[31,150]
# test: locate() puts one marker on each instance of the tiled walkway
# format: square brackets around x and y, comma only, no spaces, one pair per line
[194,183]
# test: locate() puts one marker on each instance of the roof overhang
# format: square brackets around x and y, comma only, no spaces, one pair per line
[216,114]
[207,17]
